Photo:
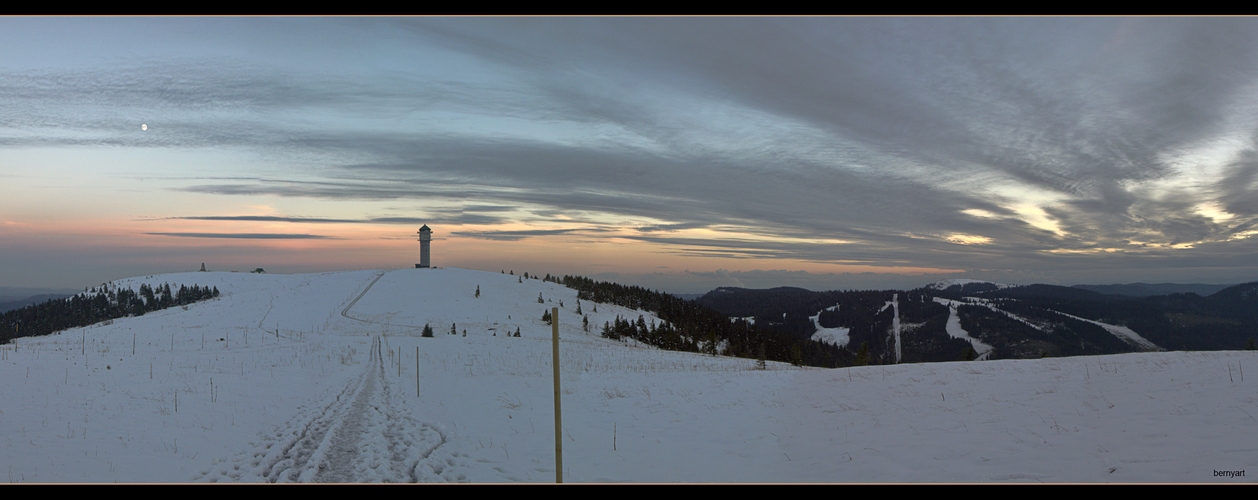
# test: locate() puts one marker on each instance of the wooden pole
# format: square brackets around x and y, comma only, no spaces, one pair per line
[554,343]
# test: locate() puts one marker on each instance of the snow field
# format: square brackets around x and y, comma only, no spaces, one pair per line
[83,408]
[333,398]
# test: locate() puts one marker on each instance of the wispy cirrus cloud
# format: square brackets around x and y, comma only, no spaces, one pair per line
[1029,143]
[248,236]
[522,234]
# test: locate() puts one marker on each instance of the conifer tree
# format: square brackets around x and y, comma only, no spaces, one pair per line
[862,356]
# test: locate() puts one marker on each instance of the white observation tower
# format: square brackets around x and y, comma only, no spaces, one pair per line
[425,244]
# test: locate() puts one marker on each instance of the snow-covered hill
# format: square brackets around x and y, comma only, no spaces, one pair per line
[316,378]
[965,285]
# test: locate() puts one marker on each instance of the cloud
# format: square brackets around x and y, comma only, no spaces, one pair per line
[518,235]
[264,218]
[671,227]
[248,236]
[1079,140]
[457,218]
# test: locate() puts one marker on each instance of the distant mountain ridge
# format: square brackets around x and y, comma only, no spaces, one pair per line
[968,319]
[1147,289]
[10,305]
[963,285]
[10,293]
[748,302]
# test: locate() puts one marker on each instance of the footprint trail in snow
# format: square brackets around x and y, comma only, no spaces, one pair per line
[360,435]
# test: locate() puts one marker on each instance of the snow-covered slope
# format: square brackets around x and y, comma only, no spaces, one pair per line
[962,282]
[954,329]
[1123,333]
[324,378]
[833,336]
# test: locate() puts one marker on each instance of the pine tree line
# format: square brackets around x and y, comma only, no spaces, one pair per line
[689,326]
[95,306]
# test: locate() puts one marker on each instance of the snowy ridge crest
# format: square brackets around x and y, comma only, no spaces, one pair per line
[945,284]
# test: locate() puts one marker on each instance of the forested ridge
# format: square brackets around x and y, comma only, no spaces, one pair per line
[1028,321]
[688,326]
[94,306]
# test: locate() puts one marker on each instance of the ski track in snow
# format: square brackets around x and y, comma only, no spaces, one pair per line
[359,435]
[345,312]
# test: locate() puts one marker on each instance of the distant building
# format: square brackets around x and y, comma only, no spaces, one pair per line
[203,267]
[425,244]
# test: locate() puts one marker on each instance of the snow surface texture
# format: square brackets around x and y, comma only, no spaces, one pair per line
[314,378]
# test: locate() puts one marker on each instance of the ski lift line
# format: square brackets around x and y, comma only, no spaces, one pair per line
[895,305]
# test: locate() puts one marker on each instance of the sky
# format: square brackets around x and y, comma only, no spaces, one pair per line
[679,154]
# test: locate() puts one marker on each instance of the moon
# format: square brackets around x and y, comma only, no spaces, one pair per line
[144,126]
